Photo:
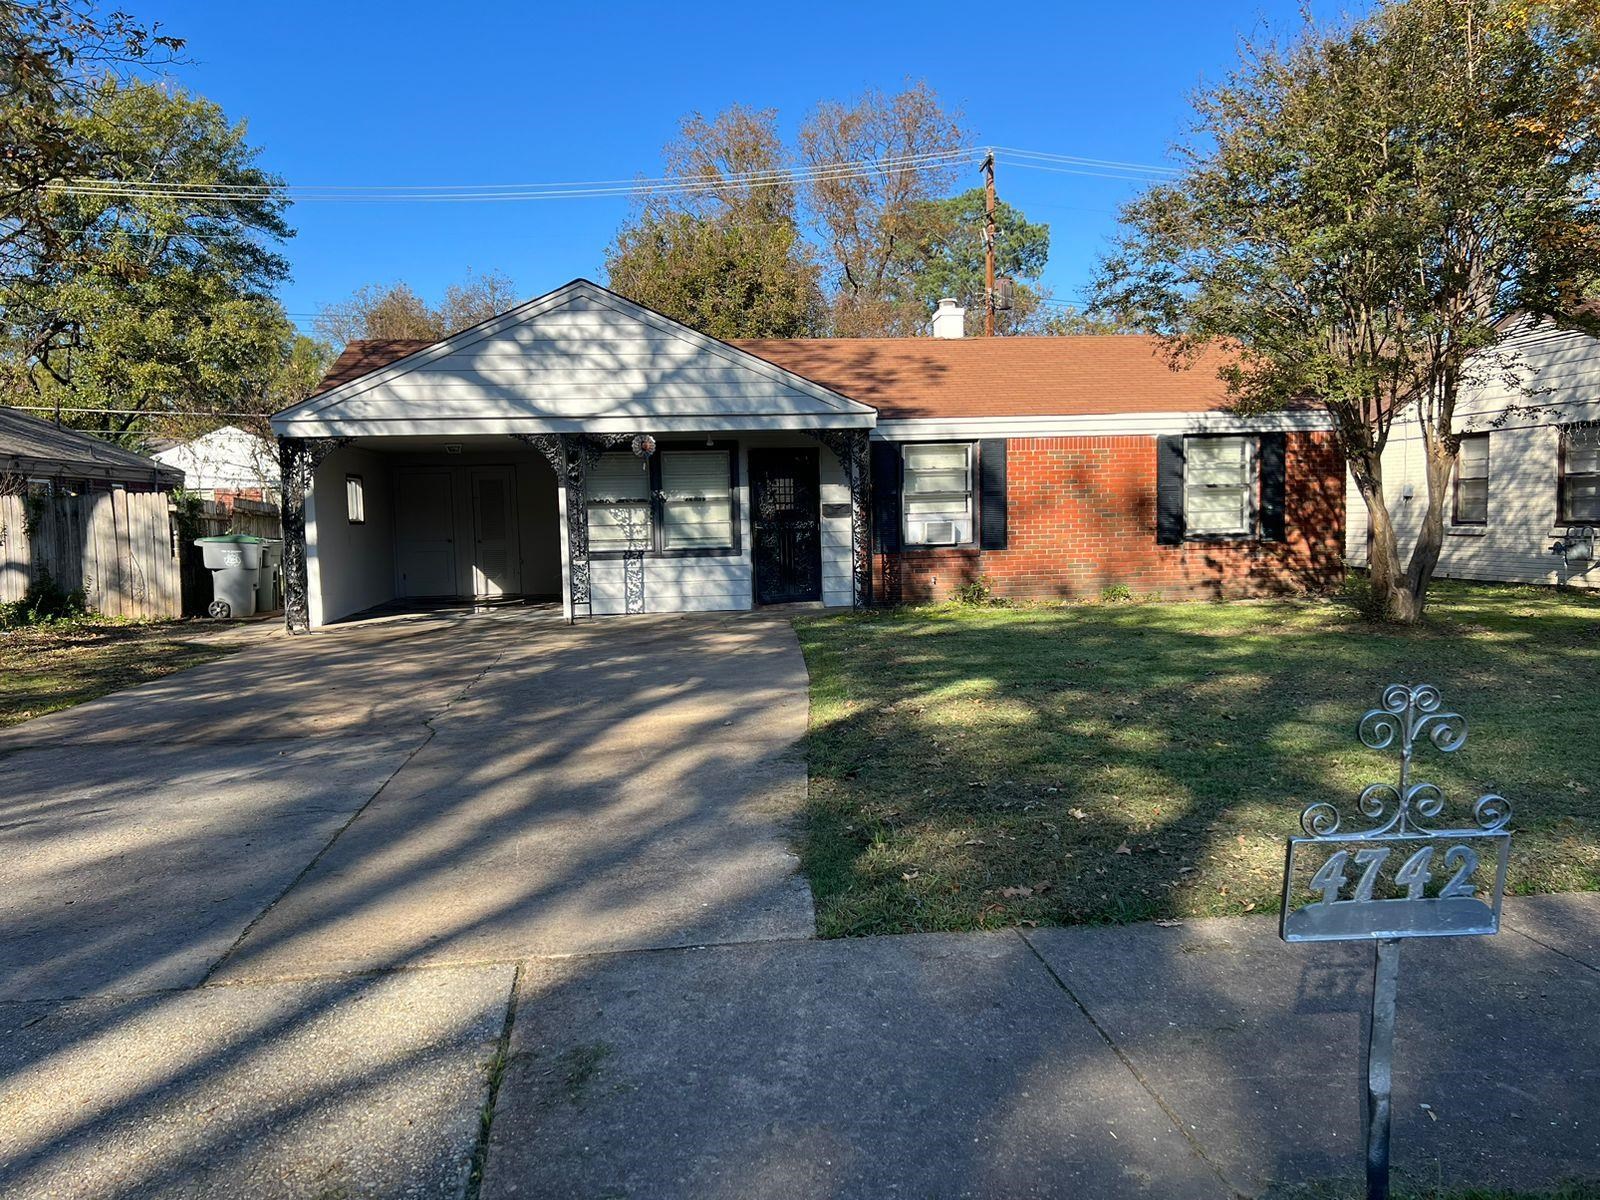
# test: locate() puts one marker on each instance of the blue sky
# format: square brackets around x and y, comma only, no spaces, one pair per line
[348,93]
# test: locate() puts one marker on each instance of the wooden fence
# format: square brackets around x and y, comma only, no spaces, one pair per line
[117,546]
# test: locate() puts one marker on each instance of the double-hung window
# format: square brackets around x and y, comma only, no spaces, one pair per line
[696,500]
[1472,480]
[619,503]
[1218,487]
[936,493]
[677,501]
[1580,474]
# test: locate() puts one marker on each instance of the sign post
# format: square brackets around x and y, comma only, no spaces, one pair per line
[1399,877]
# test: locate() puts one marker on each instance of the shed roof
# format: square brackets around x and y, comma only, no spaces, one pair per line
[36,448]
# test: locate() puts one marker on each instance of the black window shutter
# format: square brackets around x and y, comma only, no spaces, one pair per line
[886,495]
[992,494]
[1273,451]
[1169,490]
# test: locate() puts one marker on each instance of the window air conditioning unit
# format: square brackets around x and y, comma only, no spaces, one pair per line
[939,533]
[1577,548]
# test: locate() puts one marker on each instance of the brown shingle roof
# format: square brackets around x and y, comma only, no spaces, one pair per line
[954,377]
[1001,377]
[363,356]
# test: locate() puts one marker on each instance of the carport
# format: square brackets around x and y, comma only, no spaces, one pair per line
[579,445]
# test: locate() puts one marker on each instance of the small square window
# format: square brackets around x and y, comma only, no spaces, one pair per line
[355,504]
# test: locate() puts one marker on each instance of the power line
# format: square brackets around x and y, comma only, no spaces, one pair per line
[599,189]
[710,177]
[457,194]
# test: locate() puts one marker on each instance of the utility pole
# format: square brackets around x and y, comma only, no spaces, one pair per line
[988,245]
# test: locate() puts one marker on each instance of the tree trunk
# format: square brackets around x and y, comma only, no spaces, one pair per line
[1383,551]
[1440,463]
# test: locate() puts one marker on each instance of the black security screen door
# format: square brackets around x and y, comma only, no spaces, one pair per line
[788,525]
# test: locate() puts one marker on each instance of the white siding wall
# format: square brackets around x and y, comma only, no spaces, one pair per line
[226,459]
[579,356]
[1563,368]
[349,567]
[728,582]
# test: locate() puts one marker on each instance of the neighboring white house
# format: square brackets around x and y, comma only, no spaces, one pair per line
[229,460]
[1529,471]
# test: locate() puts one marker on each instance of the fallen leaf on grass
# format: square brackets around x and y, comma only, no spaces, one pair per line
[1011,892]
[1123,849]
[1078,813]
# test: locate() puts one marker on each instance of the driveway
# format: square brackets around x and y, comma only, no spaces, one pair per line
[468,789]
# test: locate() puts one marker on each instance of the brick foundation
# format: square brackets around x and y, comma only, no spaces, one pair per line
[1081,517]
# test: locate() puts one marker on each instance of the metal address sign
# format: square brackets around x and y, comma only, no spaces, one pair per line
[1397,878]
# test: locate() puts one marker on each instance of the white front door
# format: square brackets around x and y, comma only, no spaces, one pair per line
[424,533]
[496,569]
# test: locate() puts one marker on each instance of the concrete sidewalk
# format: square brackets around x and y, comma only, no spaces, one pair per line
[1203,1060]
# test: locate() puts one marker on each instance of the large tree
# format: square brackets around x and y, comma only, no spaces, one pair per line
[56,55]
[142,291]
[946,257]
[904,149]
[1361,209]
[395,311]
[719,246]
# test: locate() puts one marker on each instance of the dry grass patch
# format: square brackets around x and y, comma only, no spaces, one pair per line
[44,668]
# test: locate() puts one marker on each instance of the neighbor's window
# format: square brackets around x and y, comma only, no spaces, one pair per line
[1472,480]
[355,504]
[619,503]
[936,495]
[1217,493]
[696,500]
[1580,474]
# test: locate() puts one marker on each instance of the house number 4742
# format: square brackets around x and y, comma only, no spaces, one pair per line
[1414,875]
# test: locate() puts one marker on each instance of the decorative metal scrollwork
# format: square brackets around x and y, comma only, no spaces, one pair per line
[1407,713]
[571,456]
[850,447]
[298,460]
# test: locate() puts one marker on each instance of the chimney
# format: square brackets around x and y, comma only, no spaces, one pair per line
[949,320]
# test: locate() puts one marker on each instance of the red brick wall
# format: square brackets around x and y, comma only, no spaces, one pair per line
[1081,517]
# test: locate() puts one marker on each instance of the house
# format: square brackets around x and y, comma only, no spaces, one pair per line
[1528,475]
[68,460]
[225,464]
[583,447]
[90,515]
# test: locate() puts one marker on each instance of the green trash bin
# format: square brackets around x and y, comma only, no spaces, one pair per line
[234,561]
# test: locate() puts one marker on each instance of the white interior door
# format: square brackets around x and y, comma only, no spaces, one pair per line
[424,533]
[495,564]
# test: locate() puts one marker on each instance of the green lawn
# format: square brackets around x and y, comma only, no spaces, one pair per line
[44,668]
[983,767]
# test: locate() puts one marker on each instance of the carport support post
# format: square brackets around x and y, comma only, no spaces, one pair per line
[298,459]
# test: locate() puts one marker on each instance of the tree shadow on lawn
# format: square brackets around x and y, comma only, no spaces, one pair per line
[977,768]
